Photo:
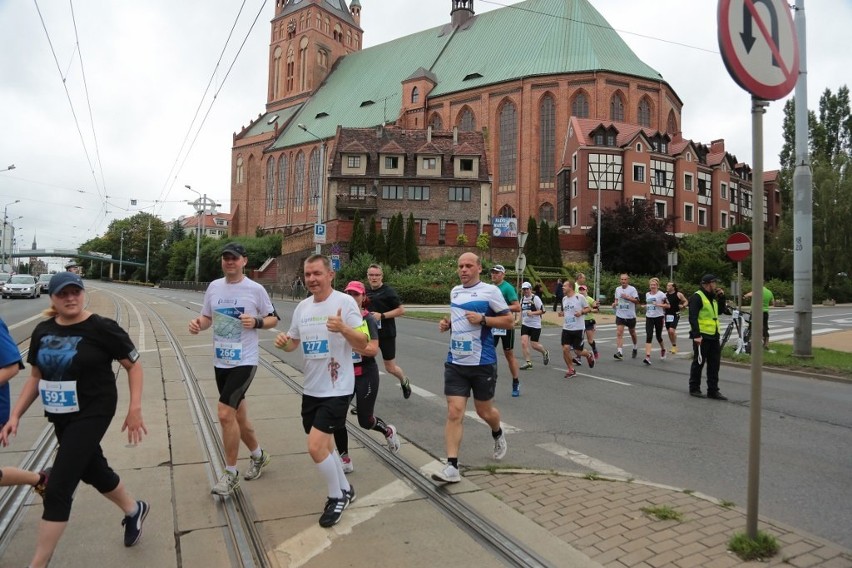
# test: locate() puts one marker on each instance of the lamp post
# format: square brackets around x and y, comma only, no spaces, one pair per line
[598,253]
[199,208]
[521,261]
[7,168]
[121,256]
[5,236]
[318,248]
[148,251]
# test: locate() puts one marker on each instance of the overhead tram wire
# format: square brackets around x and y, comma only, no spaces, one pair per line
[215,95]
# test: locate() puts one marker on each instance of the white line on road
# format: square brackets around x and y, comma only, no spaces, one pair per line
[596,378]
[507,428]
[26,321]
[585,461]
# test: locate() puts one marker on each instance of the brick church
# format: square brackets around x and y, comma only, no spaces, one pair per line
[476,125]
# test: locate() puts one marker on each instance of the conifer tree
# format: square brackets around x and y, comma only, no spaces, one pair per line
[531,248]
[555,247]
[380,252]
[544,253]
[412,255]
[371,236]
[396,242]
[358,244]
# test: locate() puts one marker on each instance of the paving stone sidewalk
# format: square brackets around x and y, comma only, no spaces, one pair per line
[603,518]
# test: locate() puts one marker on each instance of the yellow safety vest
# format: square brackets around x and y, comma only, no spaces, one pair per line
[708,316]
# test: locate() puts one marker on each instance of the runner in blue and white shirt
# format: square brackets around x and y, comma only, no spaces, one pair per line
[471,364]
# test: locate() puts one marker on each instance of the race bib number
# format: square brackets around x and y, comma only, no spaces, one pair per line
[623,305]
[356,357]
[497,332]
[650,308]
[59,397]
[669,318]
[570,317]
[461,344]
[315,346]
[228,352]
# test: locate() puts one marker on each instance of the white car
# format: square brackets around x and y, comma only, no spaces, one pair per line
[21,286]
[44,281]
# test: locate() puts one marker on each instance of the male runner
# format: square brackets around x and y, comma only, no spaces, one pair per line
[574,306]
[626,298]
[498,278]
[385,306]
[532,309]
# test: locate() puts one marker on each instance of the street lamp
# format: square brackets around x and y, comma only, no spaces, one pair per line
[318,249]
[121,256]
[5,236]
[7,168]
[201,208]
[521,261]
[598,253]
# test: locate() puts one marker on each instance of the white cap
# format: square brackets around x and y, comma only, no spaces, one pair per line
[526,285]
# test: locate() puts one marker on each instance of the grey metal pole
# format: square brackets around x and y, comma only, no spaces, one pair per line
[121,256]
[148,251]
[802,207]
[758,109]
[198,235]
[323,172]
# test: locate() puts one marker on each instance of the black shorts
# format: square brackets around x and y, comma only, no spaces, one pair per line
[590,325]
[508,340]
[233,383]
[388,347]
[326,414]
[533,332]
[461,380]
[630,322]
[672,324]
[573,338]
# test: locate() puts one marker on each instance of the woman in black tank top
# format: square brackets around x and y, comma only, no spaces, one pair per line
[675,300]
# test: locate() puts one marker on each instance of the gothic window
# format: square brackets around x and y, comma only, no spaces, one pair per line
[303,64]
[276,74]
[282,181]
[436,123]
[616,108]
[270,184]
[326,26]
[545,212]
[299,189]
[580,106]
[508,145]
[671,124]
[357,41]
[467,122]
[415,95]
[240,171]
[348,37]
[338,33]
[644,116]
[290,69]
[547,141]
[314,179]
[506,211]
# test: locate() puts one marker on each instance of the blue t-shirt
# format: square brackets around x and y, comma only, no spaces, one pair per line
[9,355]
[472,344]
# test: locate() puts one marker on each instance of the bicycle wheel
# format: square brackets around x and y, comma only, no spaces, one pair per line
[727,335]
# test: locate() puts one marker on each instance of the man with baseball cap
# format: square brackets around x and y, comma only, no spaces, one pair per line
[498,278]
[236,307]
[704,307]
[532,309]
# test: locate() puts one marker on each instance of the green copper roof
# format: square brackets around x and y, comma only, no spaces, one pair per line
[536,37]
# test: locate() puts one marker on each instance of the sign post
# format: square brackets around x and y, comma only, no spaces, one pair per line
[319,234]
[738,247]
[761,52]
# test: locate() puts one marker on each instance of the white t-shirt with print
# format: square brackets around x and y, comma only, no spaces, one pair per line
[531,304]
[652,310]
[624,308]
[329,370]
[571,306]
[472,344]
[224,302]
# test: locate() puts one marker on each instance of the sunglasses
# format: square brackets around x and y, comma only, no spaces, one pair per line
[72,291]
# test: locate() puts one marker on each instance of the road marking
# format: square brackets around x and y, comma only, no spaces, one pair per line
[507,428]
[594,377]
[789,333]
[586,461]
[26,321]
[299,549]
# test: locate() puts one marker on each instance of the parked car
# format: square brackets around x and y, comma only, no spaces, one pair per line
[43,281]
[21,286]
[4,277]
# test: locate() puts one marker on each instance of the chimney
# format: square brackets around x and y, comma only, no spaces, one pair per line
[462,11]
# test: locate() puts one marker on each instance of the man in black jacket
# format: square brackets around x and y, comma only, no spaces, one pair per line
[704,308]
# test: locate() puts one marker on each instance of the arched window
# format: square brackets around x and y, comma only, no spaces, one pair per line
[415,95]
[270,184]
[467,122]
[506,211]
[616,108]
[314,179]
[299,186]
[276,74]
[282,181]
[241,174]
[357,41]
[580,106]
[671,124]
[644,116]
[545,212]
[338,33]
[303,64]
[290,69]
[348,37]
[436,123]
[326,25]
[508,145]
[546,141]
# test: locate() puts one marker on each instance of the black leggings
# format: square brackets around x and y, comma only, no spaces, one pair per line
[79,458]
[652,325]
[366,392]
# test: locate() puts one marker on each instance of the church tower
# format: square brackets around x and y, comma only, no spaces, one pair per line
[308,37]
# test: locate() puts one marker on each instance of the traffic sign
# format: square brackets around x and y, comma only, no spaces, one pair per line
[335,262]
[319,233]
[521,263]
[738,247]
[759,46]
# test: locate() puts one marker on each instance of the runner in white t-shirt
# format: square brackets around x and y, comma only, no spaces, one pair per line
[656,305]
[574,307]
[626,298]
[324,331]
[532,309]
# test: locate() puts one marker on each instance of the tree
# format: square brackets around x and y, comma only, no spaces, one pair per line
[531,246]
[483,241]
[633,240]
[545,255]
[555,247]
[412,255]
[396,242]
[358,244]
[371,236]
[381,248]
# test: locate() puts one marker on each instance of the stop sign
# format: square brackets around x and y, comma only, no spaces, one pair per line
[738,247]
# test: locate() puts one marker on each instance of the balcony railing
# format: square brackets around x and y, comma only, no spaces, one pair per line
[347,202]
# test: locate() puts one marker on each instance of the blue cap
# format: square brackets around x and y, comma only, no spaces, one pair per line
[62,279]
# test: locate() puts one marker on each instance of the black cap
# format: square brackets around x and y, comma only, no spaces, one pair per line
[62,279]
[235,249]
[708,278]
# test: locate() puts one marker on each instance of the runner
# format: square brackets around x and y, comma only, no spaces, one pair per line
[386,307]
[590,322]
[532,309]
[573,307]
[626,298]
[325,326]
[655,306]
[236,307]
[498,278]
[475,309]
[677,302]
[366,383]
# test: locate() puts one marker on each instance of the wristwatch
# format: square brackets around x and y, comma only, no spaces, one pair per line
[482,321]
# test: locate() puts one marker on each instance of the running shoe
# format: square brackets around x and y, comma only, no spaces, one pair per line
[256,468]
[406,388]
[546,356]
[226,484]
[570,373]
[332,511]
[500,447]
[450,474]
[516,390]
[392,439]
[663,354]
[591,359]
[674,349]
[133,523]
[349,495]
[354,410]
[527,366]
[647,361]
[577,361]
[618,355]
[635,352]
[347,464]
[41,486]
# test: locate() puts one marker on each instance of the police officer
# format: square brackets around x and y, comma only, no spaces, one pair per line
[704,308]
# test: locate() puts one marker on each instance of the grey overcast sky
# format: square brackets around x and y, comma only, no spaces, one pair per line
[147,65]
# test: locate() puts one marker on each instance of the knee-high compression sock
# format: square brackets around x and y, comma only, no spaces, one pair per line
[341,477]
[328,469]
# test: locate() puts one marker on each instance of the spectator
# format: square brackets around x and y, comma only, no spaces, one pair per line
[768,301]
[557,293]
[704,308]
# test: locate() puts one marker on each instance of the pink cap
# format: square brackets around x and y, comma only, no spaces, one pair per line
[356,286]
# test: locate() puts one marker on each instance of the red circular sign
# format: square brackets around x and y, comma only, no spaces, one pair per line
[759,46]
[738,247]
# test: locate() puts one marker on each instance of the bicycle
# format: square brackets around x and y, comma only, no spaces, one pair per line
[738,318]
